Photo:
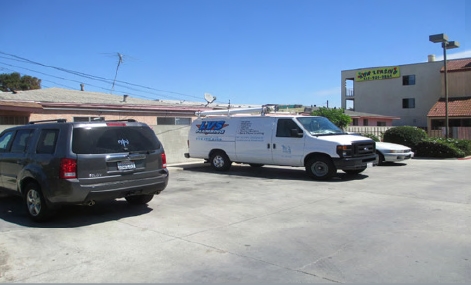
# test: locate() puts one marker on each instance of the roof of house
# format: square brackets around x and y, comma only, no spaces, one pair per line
[457,107]
[60,95]
[461,64]
[67,98]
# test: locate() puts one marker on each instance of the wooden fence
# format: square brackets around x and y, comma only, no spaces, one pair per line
[463,133]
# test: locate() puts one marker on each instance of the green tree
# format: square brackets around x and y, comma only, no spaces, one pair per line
[336,116]
[14,81]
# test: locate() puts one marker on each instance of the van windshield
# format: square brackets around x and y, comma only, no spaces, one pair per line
[319,126]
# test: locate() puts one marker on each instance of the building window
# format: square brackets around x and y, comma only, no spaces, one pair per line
[355,122]
[437,124]
[408,103]
[173,121]
[365,122]
[13,120]
[408,80]
[381,124]
[88,119]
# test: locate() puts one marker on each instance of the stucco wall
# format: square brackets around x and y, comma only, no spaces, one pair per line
[384,97]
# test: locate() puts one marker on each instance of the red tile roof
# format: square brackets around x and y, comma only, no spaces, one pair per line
[458,65]
[457,107]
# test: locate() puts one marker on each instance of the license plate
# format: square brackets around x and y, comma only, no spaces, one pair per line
[126,165]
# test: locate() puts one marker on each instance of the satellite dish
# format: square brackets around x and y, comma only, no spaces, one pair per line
[209,98]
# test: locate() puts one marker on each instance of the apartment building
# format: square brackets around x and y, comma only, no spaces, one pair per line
[410,91]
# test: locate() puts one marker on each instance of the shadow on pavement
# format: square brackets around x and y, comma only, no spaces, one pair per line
[12,210]
[270,172]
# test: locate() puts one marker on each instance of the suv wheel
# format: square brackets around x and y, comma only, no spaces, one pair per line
[139,199]
[35,203]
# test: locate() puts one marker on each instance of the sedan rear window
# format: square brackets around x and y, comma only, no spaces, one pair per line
[113,139]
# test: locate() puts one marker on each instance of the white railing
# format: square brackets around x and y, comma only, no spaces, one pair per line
[371,130]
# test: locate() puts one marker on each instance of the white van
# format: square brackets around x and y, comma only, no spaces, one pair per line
[287,140]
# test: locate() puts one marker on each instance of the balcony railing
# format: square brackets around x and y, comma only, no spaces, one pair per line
[349,92]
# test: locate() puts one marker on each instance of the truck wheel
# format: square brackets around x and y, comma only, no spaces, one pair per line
[35,203]
[220,161]
[355,171]
[139,199]
[320,168]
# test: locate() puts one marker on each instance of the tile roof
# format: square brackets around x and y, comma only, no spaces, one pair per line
[457,107]
[458,64]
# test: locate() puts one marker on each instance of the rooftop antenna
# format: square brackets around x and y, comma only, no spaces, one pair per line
[209,98]
[120,56]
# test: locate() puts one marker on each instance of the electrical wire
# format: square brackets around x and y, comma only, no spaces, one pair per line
[119,83]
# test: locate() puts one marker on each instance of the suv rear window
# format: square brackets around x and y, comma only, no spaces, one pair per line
[113,139]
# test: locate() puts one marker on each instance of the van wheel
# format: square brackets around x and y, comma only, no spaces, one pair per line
[220,161]
[35,203]
[320,168]
[139,199]
[355,171]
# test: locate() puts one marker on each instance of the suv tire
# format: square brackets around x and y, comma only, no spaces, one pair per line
[139,199]
[36,205]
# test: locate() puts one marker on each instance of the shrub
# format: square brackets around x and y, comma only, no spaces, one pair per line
[437,147]
[405,135]
[464,146]
[371,136]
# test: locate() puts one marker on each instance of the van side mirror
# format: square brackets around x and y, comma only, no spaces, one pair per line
[296,133]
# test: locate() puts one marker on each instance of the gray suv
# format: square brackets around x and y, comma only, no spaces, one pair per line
[54,163]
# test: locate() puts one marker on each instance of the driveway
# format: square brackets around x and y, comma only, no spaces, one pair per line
[403,223]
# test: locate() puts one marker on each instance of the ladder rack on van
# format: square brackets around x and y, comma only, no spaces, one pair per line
[270,109]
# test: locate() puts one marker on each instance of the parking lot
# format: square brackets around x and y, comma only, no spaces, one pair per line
[401,223]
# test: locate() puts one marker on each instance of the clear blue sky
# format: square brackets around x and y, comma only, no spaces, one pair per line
[242,51]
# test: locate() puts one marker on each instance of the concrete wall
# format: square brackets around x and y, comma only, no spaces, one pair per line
[174,140]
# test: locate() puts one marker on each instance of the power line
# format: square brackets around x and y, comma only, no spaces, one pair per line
[96,78]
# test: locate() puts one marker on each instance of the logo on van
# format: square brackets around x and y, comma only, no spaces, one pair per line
[211,127]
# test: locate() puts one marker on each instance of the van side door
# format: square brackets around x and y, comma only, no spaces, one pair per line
[253,140]
[288,143]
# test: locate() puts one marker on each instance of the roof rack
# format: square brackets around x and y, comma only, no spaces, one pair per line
[48,121]
[103,120]
[124,120]
[260,110]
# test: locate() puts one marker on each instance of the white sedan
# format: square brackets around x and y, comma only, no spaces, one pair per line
[392,152]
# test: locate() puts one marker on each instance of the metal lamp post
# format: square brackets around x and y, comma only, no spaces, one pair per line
[443,38]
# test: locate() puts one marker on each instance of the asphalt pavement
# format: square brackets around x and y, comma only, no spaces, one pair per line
[400,223]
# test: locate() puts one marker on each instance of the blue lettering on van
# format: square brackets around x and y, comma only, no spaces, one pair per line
[211,127]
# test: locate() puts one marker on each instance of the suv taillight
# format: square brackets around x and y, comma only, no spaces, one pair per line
[68,168]
[164,160]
